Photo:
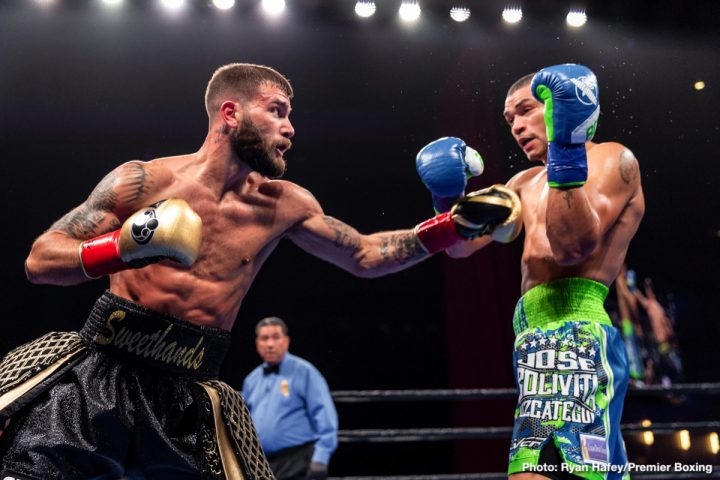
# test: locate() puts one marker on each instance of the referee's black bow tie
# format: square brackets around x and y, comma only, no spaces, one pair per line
[268,369]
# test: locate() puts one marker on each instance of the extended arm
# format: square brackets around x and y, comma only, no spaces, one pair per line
[362,255]
[493,211]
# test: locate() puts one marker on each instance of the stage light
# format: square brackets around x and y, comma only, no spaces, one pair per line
[714,442]
[112,3]
[273,7]
[409,11]
[647,437]
[512,14]
[459,14]
[576,18]
[224,4]
[684,437]
[699,85]
[364,9]
[173,4]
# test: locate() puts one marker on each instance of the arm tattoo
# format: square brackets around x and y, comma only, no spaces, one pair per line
[90,218]
[103,197]
[83,223]
[628,166]
[384,247]
[404,247]
[567,194]
[345,236]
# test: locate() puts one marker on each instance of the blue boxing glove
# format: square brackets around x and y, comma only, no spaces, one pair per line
[444,167]
[571,98]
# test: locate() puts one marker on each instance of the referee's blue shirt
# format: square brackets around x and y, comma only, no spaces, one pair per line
[292,407]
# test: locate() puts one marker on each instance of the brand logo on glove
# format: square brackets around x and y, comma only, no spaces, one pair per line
[144,227]
[586,89]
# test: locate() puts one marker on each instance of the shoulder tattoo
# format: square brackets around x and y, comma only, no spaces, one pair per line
[136,178]
[628,166]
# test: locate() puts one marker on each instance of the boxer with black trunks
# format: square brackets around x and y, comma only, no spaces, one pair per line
[580,210]
[134,393]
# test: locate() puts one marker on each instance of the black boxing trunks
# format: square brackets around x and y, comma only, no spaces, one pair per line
[132,395]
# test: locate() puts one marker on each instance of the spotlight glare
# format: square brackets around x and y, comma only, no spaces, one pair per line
[685,440]
[173,4]
[409,11]
[273,7]
[112,3]
[224,4]
[699,85]
[364,8]
[714,443]
[459,14]
[512,14]
[576,18]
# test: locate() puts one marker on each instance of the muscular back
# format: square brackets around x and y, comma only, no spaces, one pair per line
[614,194]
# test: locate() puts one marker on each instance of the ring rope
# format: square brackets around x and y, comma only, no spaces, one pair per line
[359,396]
[481,433]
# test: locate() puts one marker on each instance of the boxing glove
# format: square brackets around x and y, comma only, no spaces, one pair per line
[444,167]
[494,211]
[572,107]
[169,229]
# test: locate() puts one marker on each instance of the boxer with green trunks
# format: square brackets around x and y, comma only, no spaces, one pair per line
[580,210]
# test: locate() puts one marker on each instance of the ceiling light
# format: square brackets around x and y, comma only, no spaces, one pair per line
[512,14]
[364,8]
[224,4]
[576,18]
[273,7]
[409,11]
[173,4]
[459,14]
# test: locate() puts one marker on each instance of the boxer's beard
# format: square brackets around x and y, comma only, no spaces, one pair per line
[250,147]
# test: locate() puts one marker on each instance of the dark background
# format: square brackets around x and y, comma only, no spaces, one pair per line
[83,89]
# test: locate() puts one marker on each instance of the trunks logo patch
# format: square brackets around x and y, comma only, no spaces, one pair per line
[165,346]
[594,449]
[557,378]
[144,226]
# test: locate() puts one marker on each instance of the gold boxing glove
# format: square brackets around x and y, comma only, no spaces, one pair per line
[494,211]
[169,229]
[508,229]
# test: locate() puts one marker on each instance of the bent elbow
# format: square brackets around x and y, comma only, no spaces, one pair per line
[32,270]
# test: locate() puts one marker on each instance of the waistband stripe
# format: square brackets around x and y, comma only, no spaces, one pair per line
[567,299]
